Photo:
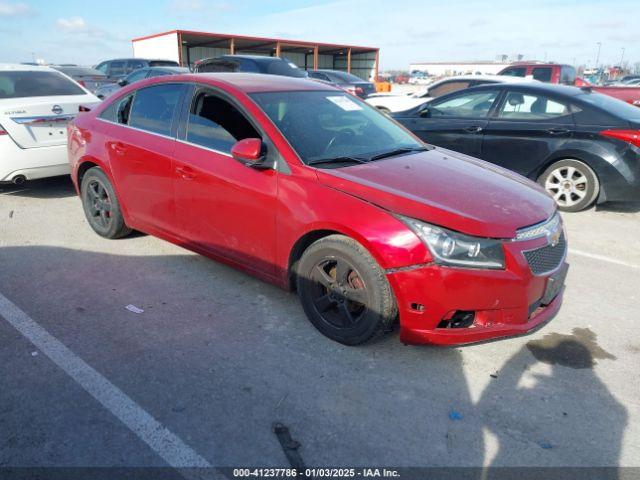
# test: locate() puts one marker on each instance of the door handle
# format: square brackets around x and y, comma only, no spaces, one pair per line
[473,129]
[185,172]
[558,131]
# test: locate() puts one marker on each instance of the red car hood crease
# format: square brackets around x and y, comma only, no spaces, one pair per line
[447,189]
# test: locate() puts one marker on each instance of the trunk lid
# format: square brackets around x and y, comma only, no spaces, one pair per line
[40,121]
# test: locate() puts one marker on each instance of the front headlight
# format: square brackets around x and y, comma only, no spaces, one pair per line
[457,249]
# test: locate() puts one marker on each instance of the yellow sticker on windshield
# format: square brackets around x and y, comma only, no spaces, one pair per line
[345,103]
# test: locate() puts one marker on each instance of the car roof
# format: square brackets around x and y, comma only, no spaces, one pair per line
[540,87]
[245,82]
[262,58]
[25,68]
[170,68]
[495,78]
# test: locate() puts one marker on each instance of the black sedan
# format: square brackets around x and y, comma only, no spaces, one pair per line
[140,74]
[352,84]
[581,146]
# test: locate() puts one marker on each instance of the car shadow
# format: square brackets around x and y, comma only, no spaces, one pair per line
[219,356]
[619,207]
[52,187]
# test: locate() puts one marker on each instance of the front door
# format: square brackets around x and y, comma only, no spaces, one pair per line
[224,206]
[456,121]
[528,128]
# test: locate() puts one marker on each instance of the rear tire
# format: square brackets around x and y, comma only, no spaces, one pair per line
[573,184]
[101,206]
[344,292]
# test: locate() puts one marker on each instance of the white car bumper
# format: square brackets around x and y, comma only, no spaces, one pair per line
[33,163]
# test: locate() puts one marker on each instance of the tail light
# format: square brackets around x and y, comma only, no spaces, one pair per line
[81,82]
[84,108]
[359,91]
[3,131]
[629,136]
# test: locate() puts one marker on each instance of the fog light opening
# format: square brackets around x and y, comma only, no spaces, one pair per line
[459,319]
[418,307]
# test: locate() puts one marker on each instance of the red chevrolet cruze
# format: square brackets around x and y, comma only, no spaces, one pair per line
[305,186]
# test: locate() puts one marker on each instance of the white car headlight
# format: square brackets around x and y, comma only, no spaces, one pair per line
[457,249]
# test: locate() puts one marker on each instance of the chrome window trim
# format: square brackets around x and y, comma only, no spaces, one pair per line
[124,125]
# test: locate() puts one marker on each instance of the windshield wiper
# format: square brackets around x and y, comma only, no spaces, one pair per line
[341,159]
[397,151]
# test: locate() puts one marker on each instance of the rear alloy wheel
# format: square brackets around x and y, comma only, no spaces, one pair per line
[343,291]
[571,183]
[101,206]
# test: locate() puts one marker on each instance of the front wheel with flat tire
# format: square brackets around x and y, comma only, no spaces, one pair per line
[101,207]
[344,292]
[573,184]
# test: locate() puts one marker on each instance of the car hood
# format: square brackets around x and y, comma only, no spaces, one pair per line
[448,189]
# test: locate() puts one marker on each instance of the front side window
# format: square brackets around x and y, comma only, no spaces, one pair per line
[328,124]
[542,74]
[154,107]
[29,83]
[447,87]
[103,67]
[524,106]
[515,72]
[464,105]
[216,124]
[568,75]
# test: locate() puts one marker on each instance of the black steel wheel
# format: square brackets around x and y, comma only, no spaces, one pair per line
[343,291]
[101,206]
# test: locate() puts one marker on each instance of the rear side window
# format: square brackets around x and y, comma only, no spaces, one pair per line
[163,63]
[524,106]
[515,72]
[117,68]
[218,66]
[118,111]
[154,107]
[134,65]
[36,84]
[216,124]
[319,76]
[542,74]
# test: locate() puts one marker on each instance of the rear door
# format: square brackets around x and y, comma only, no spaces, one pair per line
[527,128]
[141,143]
[35,106]
[456,121]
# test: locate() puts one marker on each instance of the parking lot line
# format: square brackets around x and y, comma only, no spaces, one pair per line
[165,443]
[603,258]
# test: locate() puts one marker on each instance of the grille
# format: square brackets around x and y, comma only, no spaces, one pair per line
[545,259]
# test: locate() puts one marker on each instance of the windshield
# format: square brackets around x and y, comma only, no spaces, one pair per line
[612,105]
[36,84]
[330,124]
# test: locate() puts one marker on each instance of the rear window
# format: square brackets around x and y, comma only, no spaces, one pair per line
[346,77]
[283,67]
[80,71]
[612,106]
[163,63]
[36,84]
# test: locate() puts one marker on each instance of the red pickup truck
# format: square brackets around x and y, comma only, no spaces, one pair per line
[566,75]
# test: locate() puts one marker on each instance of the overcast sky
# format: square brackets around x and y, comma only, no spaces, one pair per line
[407,31]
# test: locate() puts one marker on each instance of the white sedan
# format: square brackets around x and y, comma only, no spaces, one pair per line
[399,103]
[35,105]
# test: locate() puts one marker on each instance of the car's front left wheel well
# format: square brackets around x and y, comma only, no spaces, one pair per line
[299,248]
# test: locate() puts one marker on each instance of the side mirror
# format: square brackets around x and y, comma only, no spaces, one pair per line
[122,82]
[424,111]
[248,151]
